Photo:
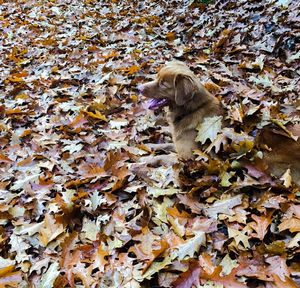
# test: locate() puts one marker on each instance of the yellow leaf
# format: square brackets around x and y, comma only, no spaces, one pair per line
[22,96]
[97,115]
[133,69]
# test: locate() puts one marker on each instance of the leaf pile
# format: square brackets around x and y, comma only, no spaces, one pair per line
[78,205]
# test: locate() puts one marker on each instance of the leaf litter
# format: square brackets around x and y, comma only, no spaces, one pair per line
[80,208]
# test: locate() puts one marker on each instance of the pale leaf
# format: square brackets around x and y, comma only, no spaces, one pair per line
[191,246]
[239,237]
[223,206]
[209,129]
[49,277]
[156,192]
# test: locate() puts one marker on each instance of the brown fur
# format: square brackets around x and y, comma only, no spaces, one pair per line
[284,152]
[189,103]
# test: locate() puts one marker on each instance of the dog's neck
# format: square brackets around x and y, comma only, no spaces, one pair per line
[199,101]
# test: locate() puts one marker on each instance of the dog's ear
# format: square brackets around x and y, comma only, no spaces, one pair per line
[184,89]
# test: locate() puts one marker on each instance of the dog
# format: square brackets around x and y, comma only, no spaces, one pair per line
[188,101]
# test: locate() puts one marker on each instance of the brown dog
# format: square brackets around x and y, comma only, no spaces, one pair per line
[189,103]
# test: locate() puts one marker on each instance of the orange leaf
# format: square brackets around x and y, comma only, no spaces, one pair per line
[98,258]
[261,225]
[132,69]
[26,133]
[171,36]
[25,162]
[228,281]
[14,111]
[6,270]
[20,74]
[173,211]
[4,158]
[48,42]
[92,170]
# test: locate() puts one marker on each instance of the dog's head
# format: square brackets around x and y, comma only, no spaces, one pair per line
[175,84]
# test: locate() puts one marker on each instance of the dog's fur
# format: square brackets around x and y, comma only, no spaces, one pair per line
[189,103]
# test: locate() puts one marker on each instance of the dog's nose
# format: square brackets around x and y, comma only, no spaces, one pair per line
[141,88]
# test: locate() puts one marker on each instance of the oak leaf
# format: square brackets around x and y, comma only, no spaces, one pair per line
[50,230]
[209,129]
[261,224]
[292,224]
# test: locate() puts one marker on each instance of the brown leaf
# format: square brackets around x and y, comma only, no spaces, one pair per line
[292,224]
[261,225]
[189,278]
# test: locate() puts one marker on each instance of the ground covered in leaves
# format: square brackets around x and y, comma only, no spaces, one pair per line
[78,206]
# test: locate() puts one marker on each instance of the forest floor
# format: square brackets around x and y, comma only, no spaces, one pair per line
[78,205]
